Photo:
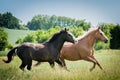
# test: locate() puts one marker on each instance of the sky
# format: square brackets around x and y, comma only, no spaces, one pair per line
[93,11]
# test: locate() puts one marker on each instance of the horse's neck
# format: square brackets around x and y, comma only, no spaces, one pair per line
[58,43]
[89,40]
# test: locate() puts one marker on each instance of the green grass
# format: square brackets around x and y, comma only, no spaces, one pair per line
[14,35]
[79,70]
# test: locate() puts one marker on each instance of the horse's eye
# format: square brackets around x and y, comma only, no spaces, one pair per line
[100,33]
[68,34]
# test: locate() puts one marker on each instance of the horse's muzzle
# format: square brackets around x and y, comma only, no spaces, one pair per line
[75,41]
[106,41]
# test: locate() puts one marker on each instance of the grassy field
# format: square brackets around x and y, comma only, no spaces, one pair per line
[13,35]
[79,70]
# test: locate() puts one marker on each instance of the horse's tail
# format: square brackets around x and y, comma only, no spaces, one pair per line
[9,55]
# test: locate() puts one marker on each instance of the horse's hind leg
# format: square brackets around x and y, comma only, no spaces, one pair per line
[29,64]
[97,63]
[22,66]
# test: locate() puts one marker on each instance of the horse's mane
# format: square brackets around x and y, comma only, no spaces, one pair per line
[54,37]
[86,34]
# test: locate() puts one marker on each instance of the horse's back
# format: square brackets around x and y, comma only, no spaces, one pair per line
[31,48]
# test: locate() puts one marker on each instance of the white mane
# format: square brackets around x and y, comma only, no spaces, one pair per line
[85,34]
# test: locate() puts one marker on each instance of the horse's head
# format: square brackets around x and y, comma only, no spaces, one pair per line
[100,35]
[67,36]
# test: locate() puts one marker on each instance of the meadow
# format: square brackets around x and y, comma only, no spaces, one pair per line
[14,35]
[79,70]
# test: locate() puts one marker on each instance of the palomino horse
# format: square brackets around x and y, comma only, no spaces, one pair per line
[83,49]
[46,52]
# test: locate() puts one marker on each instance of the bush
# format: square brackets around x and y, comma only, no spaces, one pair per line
[39,36]
[76,31]
[115,37]
[101,45]
[3,39]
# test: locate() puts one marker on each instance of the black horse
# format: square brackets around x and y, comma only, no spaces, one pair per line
[46,52]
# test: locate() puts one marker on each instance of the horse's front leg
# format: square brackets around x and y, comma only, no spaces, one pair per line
[61,63]
[52,64]
[94,64]
[97,63]
[92,59]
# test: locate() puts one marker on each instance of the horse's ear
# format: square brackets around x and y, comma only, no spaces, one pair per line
[66,29]
[99,28]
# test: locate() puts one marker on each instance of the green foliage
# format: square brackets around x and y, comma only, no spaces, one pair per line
[76,31]
[113,33]
[83,24]
[39,36]
[101,45]
[45,22]
[107,28]
[9,21]
[23,27]
[3,39]
[9,46]
[115,37]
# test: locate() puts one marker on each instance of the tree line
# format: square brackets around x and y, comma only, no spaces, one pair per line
[9,21]
[46,25]
[45,22]
[42,22]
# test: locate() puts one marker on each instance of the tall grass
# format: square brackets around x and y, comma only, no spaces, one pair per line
[79,70]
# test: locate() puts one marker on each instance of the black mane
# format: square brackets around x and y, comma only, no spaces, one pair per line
[55,36]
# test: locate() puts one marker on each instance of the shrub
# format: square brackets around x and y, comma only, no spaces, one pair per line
[3,39]
[101,45]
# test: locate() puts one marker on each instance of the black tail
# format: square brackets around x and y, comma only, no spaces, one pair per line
[9,55]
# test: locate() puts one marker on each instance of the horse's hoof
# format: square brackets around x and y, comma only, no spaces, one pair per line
[103,70]
[21,68]
[29,68]
[91,69]
[68,70]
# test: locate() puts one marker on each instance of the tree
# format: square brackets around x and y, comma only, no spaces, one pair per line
[9,21]
[3,39]
[115,37]
[1,21]
[45,22]
[83,24]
